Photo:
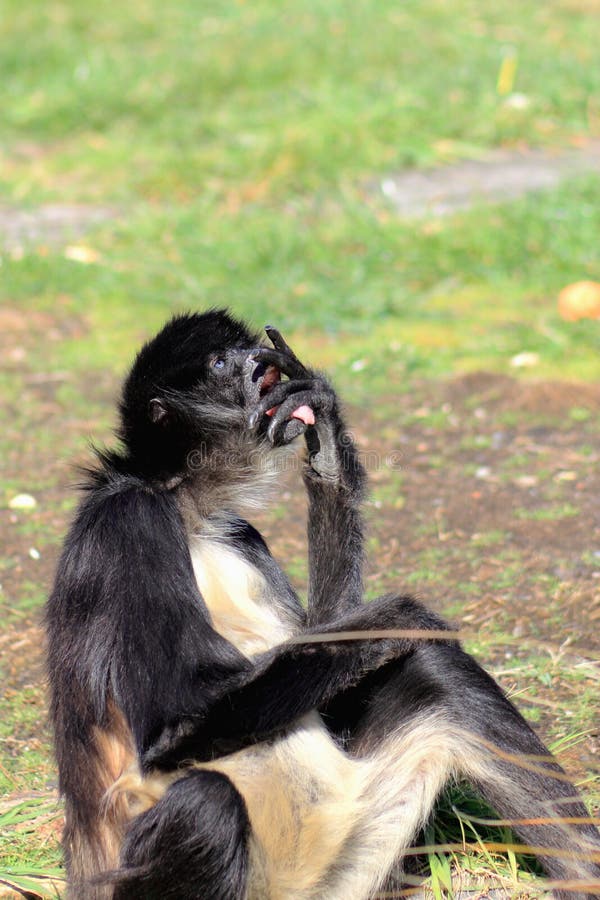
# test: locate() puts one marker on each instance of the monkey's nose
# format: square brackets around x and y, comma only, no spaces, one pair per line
[259,371]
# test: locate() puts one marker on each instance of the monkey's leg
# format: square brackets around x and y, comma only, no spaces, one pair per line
[192,845]
[294,678]
[438,714]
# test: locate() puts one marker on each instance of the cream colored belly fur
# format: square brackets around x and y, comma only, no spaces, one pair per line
[325,826]
[301,790]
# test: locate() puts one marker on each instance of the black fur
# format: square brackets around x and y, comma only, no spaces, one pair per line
[175,369]
[135,662]
[196,835]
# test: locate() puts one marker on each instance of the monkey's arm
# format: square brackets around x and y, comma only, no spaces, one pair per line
[129,628]
[334,477]
[335,523]
[294,678]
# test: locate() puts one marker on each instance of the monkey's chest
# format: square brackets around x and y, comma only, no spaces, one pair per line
[238,598]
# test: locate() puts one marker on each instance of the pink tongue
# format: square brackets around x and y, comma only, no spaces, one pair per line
[304,413]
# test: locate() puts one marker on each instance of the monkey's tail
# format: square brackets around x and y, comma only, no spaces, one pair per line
[533,795]
[523,782]
[443,707]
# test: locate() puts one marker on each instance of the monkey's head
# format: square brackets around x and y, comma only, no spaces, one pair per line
[190,389]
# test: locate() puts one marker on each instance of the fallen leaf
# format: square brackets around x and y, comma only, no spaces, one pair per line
[580,300]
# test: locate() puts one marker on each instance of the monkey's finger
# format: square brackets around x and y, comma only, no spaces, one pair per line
[293,429]
[288,432]
[280,343]
[276,339]
[283,347]
[276,395]
[275,358]
[286,364]
[300,407]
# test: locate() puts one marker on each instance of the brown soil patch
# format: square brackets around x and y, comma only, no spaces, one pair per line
[498,393]
[491,515]
[23,332]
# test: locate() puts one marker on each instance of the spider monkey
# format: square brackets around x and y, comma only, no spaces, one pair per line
[210,745]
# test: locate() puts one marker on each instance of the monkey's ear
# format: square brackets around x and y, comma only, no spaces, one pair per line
[157,409]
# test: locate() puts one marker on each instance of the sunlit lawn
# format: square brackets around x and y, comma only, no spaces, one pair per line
[239,147]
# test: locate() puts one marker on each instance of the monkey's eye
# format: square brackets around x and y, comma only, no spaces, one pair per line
[218,363]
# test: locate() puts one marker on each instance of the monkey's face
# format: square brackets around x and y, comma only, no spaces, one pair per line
[235,378]
[194,384]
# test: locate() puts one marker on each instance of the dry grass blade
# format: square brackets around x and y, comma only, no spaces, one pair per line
[503,847]
[407,633]
[535,820]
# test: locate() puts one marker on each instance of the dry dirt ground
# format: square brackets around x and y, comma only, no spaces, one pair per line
[484,502]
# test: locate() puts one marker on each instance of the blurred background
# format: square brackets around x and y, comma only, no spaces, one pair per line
[239,154]
[410,191]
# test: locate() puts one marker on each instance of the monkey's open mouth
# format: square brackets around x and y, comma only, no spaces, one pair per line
[271,377]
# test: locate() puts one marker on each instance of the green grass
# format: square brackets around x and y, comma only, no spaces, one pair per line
[235,143]
[469,296]
[163,101]
[548,513]
[26,761]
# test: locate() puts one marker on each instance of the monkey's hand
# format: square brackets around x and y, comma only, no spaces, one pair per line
[334,477]
[305,404]
[293,678]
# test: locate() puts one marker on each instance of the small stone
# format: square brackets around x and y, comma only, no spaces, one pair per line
[499,439]
[388,187]
[22,501]
[526,481]
[34,554]
[525,360]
